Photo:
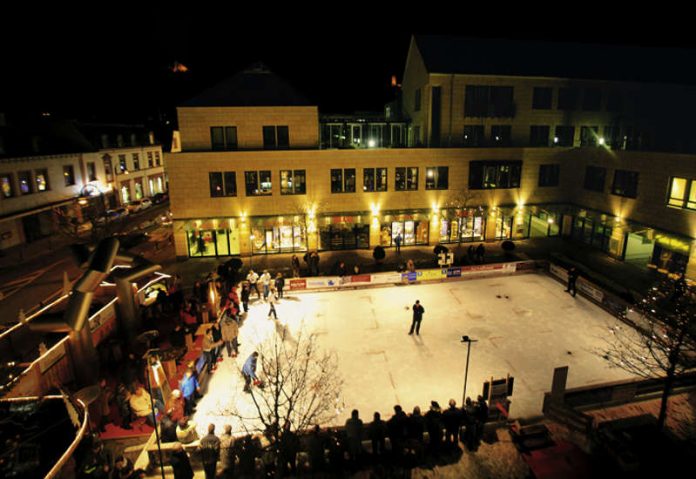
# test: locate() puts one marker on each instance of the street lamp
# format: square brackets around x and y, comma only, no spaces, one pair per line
[468,340]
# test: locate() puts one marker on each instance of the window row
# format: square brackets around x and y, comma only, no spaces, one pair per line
[540,135]
[153,159]
[625,182]
[682,193]
[32,181]
[343,180]
[224,138]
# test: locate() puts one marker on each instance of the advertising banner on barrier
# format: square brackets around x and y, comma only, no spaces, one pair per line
[454,272]
[590,290]
[525,265]
[359,278]
[384,278]
[432,274]
[558,272]
[298,284]
[327,282]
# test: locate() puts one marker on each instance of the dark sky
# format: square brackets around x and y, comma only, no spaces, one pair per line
[112,61]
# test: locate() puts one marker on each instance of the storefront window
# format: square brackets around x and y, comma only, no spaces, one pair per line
[138,190]
[413,229]
[125,194]
[272,236]
[214,238]
[344,232]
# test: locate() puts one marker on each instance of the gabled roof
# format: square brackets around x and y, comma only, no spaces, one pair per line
[448,54]
[256,86]
[43,137]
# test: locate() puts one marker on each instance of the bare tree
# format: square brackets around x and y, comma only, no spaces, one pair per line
[662,341]
[301,386]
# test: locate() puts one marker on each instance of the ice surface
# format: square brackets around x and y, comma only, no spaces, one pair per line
[525,325]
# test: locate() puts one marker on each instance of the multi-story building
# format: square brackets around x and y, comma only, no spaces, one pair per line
[55,173]
[252,178]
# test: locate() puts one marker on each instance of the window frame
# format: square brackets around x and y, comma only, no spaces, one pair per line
[44,173]
[627,185]
[30,182]
[536,140]
[409,183]
[10,182]
[438,173]
[481,172]
[258,182]
[549,175]
[589,180]
[293,174]
[70,179]
[92,175]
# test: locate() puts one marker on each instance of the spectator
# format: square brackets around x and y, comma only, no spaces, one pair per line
[336,453]
[354,429]
[123,402]
[398,428]
[416,428]
[180,463]
[227,456]
[480,253]
[377,432]
[246,292]
[253,279]
[186,431]
[316,449]
[105,397]
[230,332]
[295,266]
[481,416]
[249,451]
[469,420]
[289,447]
[176,405]
[280,284]
[210,452]
[141,405]
[266,283]
[168,428]
[433,422]
[189,386]
[208,348]
[452,419]
[177,337]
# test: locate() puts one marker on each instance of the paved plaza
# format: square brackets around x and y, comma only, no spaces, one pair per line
[525,325]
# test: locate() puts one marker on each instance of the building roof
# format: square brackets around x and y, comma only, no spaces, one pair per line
[39,137]
[448,54]
[256,86]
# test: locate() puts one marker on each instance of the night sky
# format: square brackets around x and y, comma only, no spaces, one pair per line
[112,64]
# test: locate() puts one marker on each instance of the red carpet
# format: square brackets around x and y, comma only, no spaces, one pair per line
[564,460]
[115,432]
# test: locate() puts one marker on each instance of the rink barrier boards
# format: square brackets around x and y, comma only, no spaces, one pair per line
[333,283]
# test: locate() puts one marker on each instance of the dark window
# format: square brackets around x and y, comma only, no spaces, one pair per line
[539,135]
[614,101]
[564,136]
[417,136]
[611,136]
[276,137]
[92,171]
[158,160]
[494,174]
[292,182]
[589,135]
[230,178]
[594,178]
[217,138]
[548,175]
[567,99]
[625,183]
[69,175]
[375,179]
[417,100]
[108,171]
[122,166]
[592,99]
[24,180]
[283,137]
[258,183]
[501,135]
[542,98]
[150,160]
[436,178]
[41,180]
[7,185]
[343,181]
[136,162]
[216,184]
[406,179]
[473,135]
[230,137]
[489,101]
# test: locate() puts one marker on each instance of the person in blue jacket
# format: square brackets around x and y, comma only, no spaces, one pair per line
[249,371]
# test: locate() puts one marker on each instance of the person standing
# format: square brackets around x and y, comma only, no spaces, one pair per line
[227,459]
[452,418]
[210,452]
[471,254]
[470,434]
[378,433]
[354,427]
[189,386]
[418,311]
[181,466]
[280,284]
[481,415]
[167,428]
[249,371]
[295,266]
[572,278]
[230,331]
[266,282]
[253,279]
[272,300]
[208,348]
[397,242]
[246,292]
[186,431]
[398,429]
[480,252]
[433,422]
[317,450]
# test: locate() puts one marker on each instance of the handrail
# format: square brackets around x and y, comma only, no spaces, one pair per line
[55,470]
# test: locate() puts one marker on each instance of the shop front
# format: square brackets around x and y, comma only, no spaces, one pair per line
[543,222]
[462,225]
[278,234]
[670,254]
[413,227]
[213,237]
[344,232]
[596,231]
[512,223]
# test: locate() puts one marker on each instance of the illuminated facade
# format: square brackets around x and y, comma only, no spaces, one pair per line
[256,179]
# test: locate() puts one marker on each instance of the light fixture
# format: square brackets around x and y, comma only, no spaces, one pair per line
[601,141]
[371,143]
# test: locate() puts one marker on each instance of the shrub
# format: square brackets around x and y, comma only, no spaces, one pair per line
[508,246]
[440,249]
[379,254]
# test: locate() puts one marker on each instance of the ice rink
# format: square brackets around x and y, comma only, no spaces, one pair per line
[526,325]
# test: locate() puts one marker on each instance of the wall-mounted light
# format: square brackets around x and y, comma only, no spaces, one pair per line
[375,209]
[371,143]
[602,141]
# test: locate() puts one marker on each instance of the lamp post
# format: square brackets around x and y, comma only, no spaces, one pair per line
[151,357]
[468,340]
